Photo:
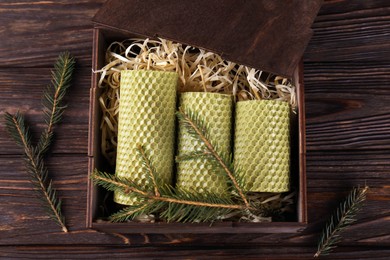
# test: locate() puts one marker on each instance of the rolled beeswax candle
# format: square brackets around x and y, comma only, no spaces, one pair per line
[146,117]
[215,110]
[262,145]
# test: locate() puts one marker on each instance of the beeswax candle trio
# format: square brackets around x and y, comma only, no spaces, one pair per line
[147,117]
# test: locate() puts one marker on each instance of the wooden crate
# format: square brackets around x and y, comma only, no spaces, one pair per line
[102,38]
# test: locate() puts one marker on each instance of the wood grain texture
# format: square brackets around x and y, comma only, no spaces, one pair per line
[22,90]
[128,252]
[33,33]
[347,105]
[351,30]
[347,86]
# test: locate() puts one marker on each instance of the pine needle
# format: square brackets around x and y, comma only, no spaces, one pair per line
[343,217]
[34,156]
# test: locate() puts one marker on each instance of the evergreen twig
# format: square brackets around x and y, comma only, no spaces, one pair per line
[176,206]
[180,205]
[53,97]
[343,217]
[198,130]
[34,156]
[35,165]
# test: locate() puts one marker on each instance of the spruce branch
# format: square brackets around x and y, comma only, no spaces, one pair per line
[179,206]
[35,165]
[197,128]
[343,217]
[53,97]
[34,155]
[173,204]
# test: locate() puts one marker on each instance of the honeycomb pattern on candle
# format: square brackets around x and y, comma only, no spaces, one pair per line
[262,145]
[197,176]
[146,117]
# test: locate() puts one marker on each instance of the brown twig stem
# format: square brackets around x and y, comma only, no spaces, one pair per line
[149,167]
[127,189]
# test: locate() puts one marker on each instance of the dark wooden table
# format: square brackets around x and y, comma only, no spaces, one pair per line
[347,84]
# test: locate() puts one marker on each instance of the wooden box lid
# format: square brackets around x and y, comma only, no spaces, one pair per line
[265,34]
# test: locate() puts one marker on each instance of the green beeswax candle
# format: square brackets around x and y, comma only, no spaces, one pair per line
[262,144]
[146,117]
[215,110]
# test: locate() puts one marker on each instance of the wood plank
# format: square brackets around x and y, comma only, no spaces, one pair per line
[22,90]
[347,105]
[348,166]
[193,252]
[34,33]
[351,30]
